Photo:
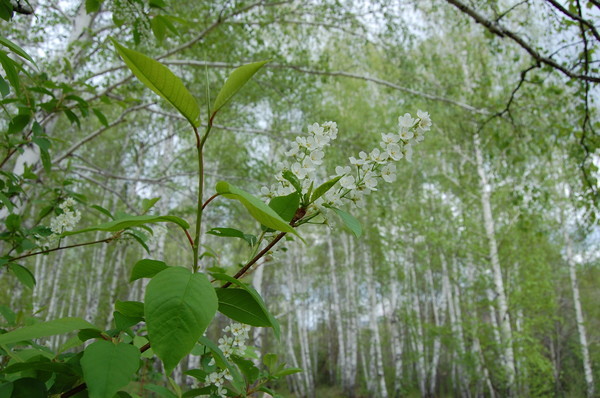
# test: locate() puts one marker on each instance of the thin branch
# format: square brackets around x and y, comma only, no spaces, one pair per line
[98,132]
[578,18]
[501,31]
[299,214]
[107,240]
[336,74]
[107,188]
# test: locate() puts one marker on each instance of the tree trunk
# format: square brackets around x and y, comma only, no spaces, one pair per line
[585,355]
[504,316]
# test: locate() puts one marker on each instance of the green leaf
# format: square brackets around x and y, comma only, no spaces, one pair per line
[6,390]
[146,269]
[287,372]
[29,388]
[44,329]
[92,6]
[131,309]
[101,118]
[16,49]
[147,204]
[198,374]
[323,188]
[235,82]
[270,360]
[129,222]
[257,209]
[286,206]
[158,28]
[103,211]
[39,363]
[4,87]
[88,334]
[123,322]
[239,305]
[162,81]
[238,381]
[8,314]
[160,390]
[4,199]
[352,223]
[11,72]
[256,297]
[291,177]
[248,369]
[233,233]
[23,274]
[179,305]
[107,367]
[195,392]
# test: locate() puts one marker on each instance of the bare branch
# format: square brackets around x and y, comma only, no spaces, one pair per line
[578,18]
[335,74]
[98,132]
[501,31]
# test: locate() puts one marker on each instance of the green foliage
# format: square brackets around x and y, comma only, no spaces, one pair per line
[162,81]
[178,306]
[349,221]
[238,78]
[256,305]
[257,209]
[130,222]
[44,329]
[107,367]
[146,269]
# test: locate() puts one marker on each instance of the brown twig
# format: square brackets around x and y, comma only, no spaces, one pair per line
[299,214]
[107,240]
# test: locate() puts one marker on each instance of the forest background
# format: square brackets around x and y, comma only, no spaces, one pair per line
[477,272]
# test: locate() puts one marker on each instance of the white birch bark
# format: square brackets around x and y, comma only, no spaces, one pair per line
[352,311]
[336,308]
[585,354]
[374,325]
[396,328]
[417,335]
[503,314]
[439,316]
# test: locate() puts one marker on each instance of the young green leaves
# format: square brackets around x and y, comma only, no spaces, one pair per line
[107,367]
[238,78]
[162,81]
[178,307]
[257,209]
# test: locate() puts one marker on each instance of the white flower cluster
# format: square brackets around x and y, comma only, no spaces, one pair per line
[229,345]
[305,153]
[361,178]
[68,219]
[358,181]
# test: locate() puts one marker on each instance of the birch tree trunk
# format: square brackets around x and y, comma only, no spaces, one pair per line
[439,316]
[396,328]
[504,316]
[352,311]
[336,308]
[418,337]
[585,354]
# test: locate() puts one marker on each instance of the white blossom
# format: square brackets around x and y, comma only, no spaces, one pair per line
[389,139]
[424,120]
[348,182]
[406,121]
[340,171]
[388,172]
[370,181]
[293,150]
[394,151]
